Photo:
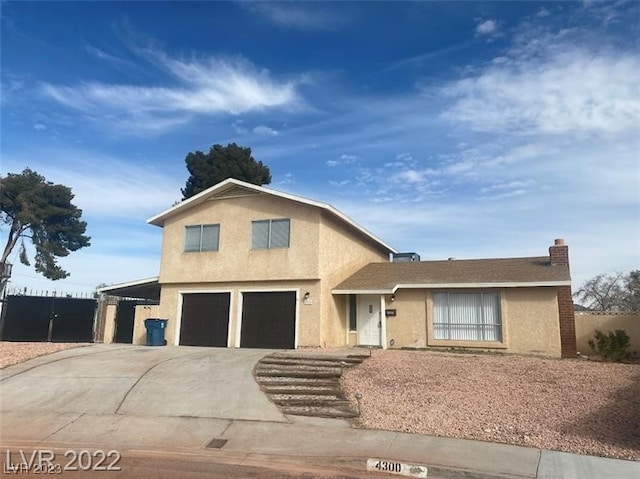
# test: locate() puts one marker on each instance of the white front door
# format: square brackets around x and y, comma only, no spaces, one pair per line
[369,320]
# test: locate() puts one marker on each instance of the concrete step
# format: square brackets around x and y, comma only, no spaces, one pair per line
[307,362]
[298,382]
[350,358]
[320,391]
[328,412]
[308,398]
[293,367]
[298,374]
[311,402]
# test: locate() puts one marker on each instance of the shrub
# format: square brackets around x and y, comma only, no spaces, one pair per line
[612,346]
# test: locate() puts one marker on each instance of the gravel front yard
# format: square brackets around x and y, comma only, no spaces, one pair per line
[575,405]
[14,353]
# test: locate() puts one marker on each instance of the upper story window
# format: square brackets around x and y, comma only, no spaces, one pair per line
[267,234]
[201,238]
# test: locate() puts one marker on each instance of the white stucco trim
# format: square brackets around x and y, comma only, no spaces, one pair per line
[362,291]
[521,284]
[181,293]
[266,290]
[137,282]
[201,197]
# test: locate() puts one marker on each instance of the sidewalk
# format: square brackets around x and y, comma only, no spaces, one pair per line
[313,442]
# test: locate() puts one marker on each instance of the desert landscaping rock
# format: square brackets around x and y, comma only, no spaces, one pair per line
[569,405]
[13,353]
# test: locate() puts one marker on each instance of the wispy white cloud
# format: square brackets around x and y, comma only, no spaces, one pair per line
[547,84]
[486,27]
[543,12]
[102,55]
[104,186]
[264,130]
[207,86]
[40,127]
[298,15]
[344,159]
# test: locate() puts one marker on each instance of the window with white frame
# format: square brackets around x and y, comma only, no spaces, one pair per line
[268,234]
[467,316]
[200,238]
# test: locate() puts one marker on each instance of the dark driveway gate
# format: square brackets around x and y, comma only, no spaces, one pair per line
[37,318]
[125,315]
[268,320]
[205,319]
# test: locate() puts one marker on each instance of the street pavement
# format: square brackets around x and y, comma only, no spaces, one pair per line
[159,402]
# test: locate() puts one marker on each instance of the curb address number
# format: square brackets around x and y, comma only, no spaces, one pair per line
[394,467]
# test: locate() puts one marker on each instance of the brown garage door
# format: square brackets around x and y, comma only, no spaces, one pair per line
[205,319]
[268,320]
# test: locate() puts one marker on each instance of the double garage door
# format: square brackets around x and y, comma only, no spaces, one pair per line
[268,320]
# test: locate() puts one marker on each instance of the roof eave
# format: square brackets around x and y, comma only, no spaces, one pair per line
[139,282]
[477,285]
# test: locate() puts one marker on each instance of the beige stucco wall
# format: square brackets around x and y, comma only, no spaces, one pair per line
[408,328]
[235,260]
[308,323]
[343,251]
[109,323]
[142,312]
[587,323]
[323,252]
[529,322]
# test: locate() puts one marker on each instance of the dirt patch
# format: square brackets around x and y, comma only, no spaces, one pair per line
[566,405]
[13,353]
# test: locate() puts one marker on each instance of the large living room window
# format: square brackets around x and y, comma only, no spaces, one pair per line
[268,234]
[467,316]
[200,238]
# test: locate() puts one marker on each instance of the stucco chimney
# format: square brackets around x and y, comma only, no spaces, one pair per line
[559,253]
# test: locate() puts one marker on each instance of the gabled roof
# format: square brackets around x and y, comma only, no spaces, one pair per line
[231,187]
[387,278]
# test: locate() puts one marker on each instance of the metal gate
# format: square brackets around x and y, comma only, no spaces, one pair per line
[125,315]
[37,318]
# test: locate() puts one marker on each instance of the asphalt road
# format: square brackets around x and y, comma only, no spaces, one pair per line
[167,465]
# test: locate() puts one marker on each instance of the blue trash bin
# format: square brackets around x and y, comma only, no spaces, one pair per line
[155,331]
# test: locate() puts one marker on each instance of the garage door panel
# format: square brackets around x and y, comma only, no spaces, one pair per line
[268,320]
[205,319]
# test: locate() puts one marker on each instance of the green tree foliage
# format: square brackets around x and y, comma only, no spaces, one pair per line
[41,211]
[220,163]
[605,292]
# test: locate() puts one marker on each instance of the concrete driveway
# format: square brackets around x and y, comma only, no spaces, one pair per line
[123,380]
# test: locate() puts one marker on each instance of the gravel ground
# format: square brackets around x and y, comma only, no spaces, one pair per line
[577,406]
[14,353]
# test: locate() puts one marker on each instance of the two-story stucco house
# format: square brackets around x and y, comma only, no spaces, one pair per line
[249,266]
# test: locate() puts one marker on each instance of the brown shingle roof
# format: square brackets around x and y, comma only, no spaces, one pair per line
[387,277]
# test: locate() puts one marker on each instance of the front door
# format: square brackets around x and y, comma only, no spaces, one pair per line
[369,320]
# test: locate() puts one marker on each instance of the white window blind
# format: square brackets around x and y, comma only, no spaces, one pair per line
[210,237]
[260,234]
[267,234]
[467,316]
[201,238]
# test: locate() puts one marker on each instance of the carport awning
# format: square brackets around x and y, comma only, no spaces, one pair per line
[148,288]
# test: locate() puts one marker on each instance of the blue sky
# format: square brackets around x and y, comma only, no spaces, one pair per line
[453,129]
